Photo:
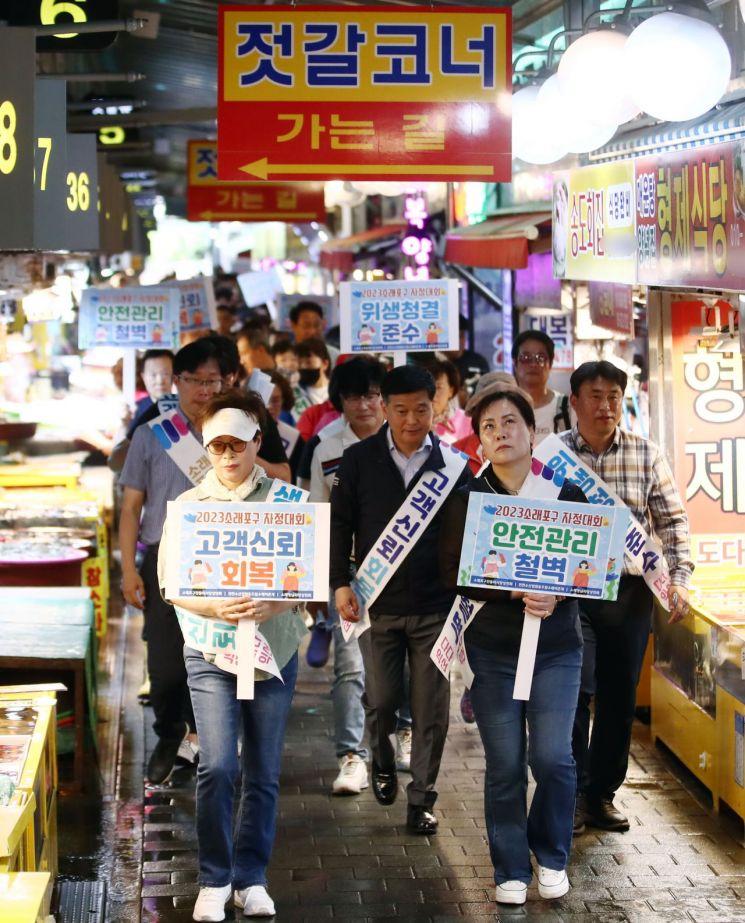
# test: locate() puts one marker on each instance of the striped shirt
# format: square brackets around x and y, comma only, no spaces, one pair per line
[636,470]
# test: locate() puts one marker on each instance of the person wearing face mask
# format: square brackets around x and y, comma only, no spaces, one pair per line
[312,390]
[505,423]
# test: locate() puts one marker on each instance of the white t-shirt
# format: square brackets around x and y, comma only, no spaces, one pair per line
[545,416]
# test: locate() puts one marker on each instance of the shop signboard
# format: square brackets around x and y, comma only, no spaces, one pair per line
[64,13]
[50,164]
[612,307]
[198,310]
[209,199]
[690,217]
[17,141]
[82,230]
[399,316]
[144,317]
[709,435]
[326,92]
[265,550]
[593,223]
[542,546]
[114,214]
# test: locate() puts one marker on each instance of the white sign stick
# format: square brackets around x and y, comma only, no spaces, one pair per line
[245,644]
[526,658]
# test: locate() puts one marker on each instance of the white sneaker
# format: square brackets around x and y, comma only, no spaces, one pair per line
[254,901]
[552,883]
[352,776]
[512,892]
[403,750]
[188,752]
[210,905]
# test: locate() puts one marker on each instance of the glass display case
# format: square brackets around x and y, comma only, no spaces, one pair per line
[685,654]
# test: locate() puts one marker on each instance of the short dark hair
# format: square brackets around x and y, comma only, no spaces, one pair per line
[283,345]
[589,371]
[224,293]
[534,335]
[280,380]
[407,379]
[445,367]
[354,377]
[297,310]
[313,346]
[248,401]
[157,354]
[518,401]
[257,336]
[227,355]
[194,354]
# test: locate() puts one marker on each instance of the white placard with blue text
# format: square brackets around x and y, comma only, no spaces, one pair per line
[543,546]
[264,550]
[144,317]
[399,316]
[198,310]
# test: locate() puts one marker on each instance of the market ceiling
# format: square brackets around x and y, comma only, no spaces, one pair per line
[177,98]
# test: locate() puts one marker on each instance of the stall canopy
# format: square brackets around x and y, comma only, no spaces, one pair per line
[500,242]
[341,253]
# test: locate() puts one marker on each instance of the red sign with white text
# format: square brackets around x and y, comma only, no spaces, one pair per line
[314,92]
[612,306]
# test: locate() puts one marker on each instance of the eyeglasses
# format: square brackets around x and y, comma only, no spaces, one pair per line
[372,397]
[533,359]
[214,383]
[236,446]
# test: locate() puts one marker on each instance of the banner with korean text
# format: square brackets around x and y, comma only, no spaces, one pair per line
[370,92]
[709,436]
[542,546]
[690,217]
[593,223]
[255,549]
[143,317]
[198,310]
[399,316]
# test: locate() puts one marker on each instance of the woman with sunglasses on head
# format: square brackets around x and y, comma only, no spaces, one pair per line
[233,864]
[504,421]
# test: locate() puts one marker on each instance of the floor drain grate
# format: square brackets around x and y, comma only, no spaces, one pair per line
[81,902]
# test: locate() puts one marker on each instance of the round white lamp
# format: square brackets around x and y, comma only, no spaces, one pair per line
[592,75]
[678,67]
[531,141]
[567,122]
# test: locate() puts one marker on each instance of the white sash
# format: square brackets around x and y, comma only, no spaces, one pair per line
[559,464]
[289,436]
[404,530]
[176,439]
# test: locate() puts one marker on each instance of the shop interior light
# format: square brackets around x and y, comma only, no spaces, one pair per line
[592,78]
[678,67]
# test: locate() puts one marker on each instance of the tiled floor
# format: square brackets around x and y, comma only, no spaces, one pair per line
[351,859]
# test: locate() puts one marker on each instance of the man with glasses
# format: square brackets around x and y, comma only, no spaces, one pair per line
[150,479]
[532,358]
[616,633]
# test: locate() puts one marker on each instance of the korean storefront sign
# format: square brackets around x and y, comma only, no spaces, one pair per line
[399,316]
[690,217]
[197,309]
[612,306]
[370,92]
[145,317]
[593,223]
[542,546]
[709,436]
[208,199]
[255,549]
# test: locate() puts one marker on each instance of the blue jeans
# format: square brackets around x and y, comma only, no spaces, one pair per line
[226,857]
[547,829]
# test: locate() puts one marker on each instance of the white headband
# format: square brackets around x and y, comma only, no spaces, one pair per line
[230,422]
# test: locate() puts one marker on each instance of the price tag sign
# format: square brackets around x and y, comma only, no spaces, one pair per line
[81,194]
[17,76]
[65,13]
[50,161]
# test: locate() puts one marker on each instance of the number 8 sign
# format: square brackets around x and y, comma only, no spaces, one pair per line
[17,142]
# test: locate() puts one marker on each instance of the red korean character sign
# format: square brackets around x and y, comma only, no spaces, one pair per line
[367,93]
[690,217]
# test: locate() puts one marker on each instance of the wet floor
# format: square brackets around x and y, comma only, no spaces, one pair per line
[351,859]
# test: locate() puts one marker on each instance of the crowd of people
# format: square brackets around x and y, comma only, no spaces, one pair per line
[366,438]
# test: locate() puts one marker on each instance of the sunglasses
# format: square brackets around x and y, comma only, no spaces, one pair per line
[236,446]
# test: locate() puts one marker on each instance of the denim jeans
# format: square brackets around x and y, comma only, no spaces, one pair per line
[547,828]
[226,857]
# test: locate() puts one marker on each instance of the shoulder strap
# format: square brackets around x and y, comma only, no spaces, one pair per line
[562,420]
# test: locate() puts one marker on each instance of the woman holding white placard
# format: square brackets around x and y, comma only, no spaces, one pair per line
[234,864]
[505,424]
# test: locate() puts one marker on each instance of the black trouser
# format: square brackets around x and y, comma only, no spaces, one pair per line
[169,694]
[385,647]
[616,636]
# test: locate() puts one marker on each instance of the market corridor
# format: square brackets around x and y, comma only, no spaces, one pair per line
[351,859]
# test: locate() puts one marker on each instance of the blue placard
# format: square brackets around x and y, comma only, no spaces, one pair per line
[144,317]
[399,316]
[543,546]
